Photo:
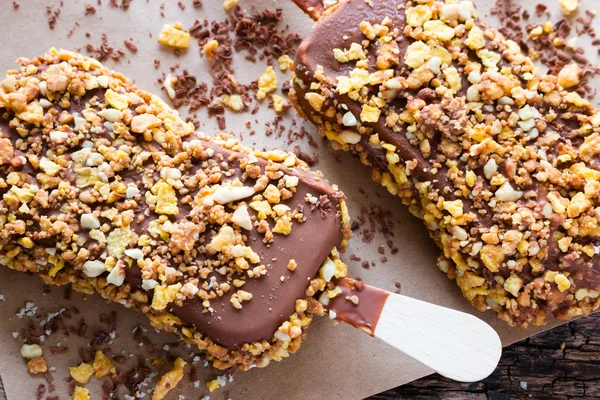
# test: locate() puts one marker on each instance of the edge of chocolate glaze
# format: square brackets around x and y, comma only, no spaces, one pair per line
[364,315]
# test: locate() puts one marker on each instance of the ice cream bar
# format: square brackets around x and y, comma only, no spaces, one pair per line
[499,161]
[104,187]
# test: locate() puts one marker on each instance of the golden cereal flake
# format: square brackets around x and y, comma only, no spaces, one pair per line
[166,198]
[417,16]
[315,100]
[263,208]
[174,36]
[369,113]
[225,237]
[266,83]
[438,30]
[102,365]
[118,241]
[169,380]
[164,295]
[568,6]
[141,123]
[475,39]
[355,52]
[81,393]
[284,62]
[233,101]
[283,225]
[210,48]
[212,385]
[279,103]
[116,100]
[562,282]
[82,372]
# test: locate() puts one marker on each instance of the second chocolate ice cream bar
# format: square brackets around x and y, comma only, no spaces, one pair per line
[499,161]
[105,188]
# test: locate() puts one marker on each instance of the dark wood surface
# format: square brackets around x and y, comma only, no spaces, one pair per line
[563,363]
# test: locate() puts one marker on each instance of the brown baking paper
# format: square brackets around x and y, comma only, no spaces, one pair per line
[335,361]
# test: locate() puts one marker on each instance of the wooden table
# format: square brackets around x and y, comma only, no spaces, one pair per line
[563,363]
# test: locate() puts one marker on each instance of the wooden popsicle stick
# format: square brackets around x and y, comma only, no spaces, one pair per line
[457,345]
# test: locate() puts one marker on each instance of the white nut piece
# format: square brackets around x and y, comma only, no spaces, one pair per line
[350,137]
[241,218]
[327,270]
[103,81]
[59,137]
[132,191]
[349,119]
[228,194]
[93,268]
[149,284]
[291,181]
[30,351]
[136,254]
[507,193]
[170,173]
[89,221]
[117,275]
[490,168]
[189,289]
[110,114]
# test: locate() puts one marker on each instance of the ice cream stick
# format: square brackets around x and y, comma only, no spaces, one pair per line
[455,344]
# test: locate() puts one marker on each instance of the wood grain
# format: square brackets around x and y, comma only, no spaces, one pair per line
[538,363]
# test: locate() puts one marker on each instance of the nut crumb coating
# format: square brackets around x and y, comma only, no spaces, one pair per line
[500,161]
[105,188]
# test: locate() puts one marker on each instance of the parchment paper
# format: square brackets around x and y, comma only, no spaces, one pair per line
[335,361]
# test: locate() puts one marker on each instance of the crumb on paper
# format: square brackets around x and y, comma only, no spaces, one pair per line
[280,104]
[229,4]
[210,48]
[82,372]
[169,85]
[169,380]
[568,6]
[233,101]
[569,75]
[102,365]
[31,351]
[29,310]
[284,62]
[266,83]
[37,365]
[81,393]
[213,385]
[174,36]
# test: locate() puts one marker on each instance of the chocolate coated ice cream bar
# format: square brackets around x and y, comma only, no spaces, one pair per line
[104,187]
[500,161]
